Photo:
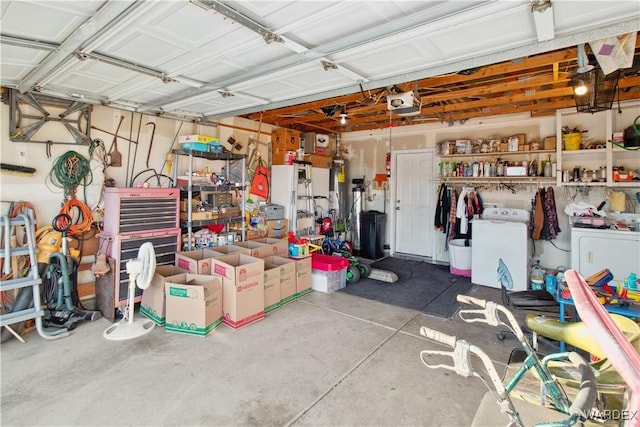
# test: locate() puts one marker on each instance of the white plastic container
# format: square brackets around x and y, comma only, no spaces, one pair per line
[328,273]
[460,257]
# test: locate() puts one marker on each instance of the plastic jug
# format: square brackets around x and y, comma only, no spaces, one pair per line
[537,277]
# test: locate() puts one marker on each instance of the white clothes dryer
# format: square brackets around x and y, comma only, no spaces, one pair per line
[500,250]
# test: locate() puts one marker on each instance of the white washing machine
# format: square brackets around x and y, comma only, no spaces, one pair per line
[500,250]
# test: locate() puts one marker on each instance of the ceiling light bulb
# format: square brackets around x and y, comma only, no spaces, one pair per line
[580,90]
[343,119]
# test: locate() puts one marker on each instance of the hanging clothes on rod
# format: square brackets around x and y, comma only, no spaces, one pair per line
[544,224]
[442,208]
[454,210]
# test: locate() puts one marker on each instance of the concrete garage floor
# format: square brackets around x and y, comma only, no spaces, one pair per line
[324,360]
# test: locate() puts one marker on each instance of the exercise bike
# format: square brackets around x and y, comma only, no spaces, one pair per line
[60,285]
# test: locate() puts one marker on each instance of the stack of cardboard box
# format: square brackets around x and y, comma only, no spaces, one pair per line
[234,285]
[283,141]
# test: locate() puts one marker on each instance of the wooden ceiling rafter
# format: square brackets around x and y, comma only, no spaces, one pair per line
[538,84]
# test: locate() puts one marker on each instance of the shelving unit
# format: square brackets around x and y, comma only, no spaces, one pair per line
[189,224]
[529,156]
[600,127]
[530,130]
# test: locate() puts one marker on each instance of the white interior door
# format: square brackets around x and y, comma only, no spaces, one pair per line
[414,202]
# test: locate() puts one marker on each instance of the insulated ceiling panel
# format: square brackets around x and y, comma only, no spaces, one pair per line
[51,21]
[301,77]
[593,15]
[159,56]
[18,62]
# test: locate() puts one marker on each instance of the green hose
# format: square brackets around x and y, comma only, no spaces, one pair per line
[636,129]
[70,170]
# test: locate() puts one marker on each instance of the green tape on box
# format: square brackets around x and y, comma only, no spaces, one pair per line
[153,315]
[303,292]
[273,307]
[191,329]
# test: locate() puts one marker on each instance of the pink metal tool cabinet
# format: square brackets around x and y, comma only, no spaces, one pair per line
[136,210]
[112,289]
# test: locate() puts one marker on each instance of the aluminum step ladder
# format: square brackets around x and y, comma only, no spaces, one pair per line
[302,221]
[32,278]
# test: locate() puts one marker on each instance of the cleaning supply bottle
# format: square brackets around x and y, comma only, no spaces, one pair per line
[537,277]
[547,167]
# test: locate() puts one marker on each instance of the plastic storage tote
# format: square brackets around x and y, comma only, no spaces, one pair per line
[328,273]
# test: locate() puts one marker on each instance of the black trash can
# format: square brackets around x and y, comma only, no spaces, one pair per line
[372,224]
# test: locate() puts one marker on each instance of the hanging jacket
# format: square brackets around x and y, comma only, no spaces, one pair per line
[452,216]
[538,216]
[442,208]
[551,227]
[461,211]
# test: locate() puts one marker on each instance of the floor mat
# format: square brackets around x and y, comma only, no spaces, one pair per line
[421,286]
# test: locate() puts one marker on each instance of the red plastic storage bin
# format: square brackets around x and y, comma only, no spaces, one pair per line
[328,262]
[328,273]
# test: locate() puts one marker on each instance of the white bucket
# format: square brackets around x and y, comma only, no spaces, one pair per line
[460,257]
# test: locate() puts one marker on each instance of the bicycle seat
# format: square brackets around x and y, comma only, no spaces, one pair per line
[578,335]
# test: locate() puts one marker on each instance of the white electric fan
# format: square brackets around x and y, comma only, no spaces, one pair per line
[140,272]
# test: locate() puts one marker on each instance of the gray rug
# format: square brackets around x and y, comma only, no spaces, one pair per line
[421,286]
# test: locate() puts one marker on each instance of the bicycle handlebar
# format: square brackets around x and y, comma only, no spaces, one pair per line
[466,299]
[438,336]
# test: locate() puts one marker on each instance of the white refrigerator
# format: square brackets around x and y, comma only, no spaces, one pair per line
[282,192]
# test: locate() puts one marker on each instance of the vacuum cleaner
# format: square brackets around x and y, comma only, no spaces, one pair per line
[60,285]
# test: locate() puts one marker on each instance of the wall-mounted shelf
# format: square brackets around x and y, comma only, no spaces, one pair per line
[497,154]
[599,127]
[500,179]
[585,184]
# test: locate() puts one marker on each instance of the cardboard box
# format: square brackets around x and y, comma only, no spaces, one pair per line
[243,288]
[318,161]
[303,276]
[271,286]
[153,303]
[287,139]
[549,143]
[287,269]
[279,247]
[194,203]
[282,156]
[253,234]
[229,249]
[194,304]
[277,228]
[255,248]
[516,142]
[198,216]
[197,261]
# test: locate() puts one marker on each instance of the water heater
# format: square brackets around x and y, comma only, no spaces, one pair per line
[356,209]
[338,189]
